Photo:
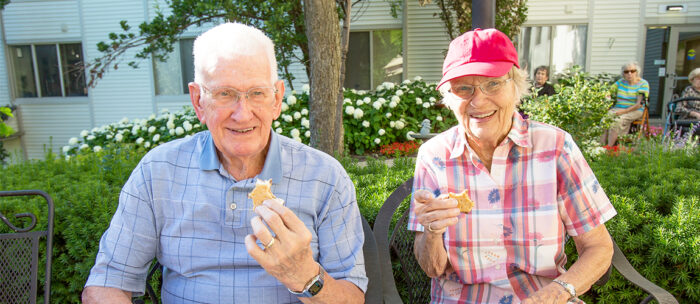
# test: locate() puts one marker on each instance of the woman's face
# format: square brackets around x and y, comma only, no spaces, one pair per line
[540,77]
[696,82]
[630,73]
[486,117]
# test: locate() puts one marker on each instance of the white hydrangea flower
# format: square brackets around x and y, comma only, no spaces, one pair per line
[66,149]
[83,147]
[179,131]
[156,138]
[297,115]
[95,130]
[143,122]
[365,124]
[170,124]
[349,110]
[293,92]
[381,132]
[91,137]
[400,124]
[347,100]
[139,140]
[377,105]
[395,98]
[358,113]
[392,123]
[388,115]
[367,100]
[294,132]
[417,78]
[406,81]
[278,130]
[291,100]
[377,140]
[196,126]
[151,129]
[285,107]
[153,116]
[276,124]
[438,118]
[393,104]
[359,102]
[432,99]
[287,118]
[410,92]
[426,105]
[147,144]
[109,136]
[381,100]
[73,141]
[307,134]
[187,126]
[119,137]
[305,122]
[389,85]
[361,92]
[84,133]
[380,87]
[304,111]
[126,120]
[419,100]
[171,131]
[399,92]
[305,88]
[97,149]
[143,128]
[297,139]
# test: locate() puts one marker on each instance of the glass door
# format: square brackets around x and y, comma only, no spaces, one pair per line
[684,43]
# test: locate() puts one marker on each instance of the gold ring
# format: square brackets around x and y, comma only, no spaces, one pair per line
[272,242]
[430,228]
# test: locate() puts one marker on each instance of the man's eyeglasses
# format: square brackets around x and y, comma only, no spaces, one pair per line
[489,88]
[226,96]
[630,71]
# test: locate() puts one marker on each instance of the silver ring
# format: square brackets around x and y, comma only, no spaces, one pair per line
[430,228]
[272,242]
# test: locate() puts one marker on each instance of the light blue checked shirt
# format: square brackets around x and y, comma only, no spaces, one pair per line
[181,206]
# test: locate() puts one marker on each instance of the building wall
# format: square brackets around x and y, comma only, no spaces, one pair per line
[426,42]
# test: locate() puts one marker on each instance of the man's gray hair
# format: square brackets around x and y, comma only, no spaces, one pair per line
[228,40]
[522,87]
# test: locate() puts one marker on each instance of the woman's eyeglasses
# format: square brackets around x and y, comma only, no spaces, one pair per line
[490,87]
[630,71]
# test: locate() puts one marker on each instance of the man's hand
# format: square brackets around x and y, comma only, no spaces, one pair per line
[553,293]
[287,256]
[435,214]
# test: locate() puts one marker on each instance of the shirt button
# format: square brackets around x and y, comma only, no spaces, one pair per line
[233,206]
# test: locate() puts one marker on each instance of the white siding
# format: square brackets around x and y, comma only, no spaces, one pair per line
[42,21]
[617,36]
[426,42]
[4,73]
[52,124]
[555,11]
[125,92]
[373,15]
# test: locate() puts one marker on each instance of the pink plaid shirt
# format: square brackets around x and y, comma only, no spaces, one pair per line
[511,244]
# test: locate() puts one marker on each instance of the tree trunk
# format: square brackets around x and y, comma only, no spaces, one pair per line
[344,42]
[323,33]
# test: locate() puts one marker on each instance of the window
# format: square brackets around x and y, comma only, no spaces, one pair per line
[173,74]
[559,47]
[374,57]
[48,70]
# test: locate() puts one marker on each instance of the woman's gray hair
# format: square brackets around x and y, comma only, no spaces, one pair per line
[522,87]
[694,73]
[227,41]
[631,63]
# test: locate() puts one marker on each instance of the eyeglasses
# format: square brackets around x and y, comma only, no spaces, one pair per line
[630,71]
[489,88]
[226,96]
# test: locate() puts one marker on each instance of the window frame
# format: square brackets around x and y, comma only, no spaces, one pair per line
[39,99]
[552,26]
[370,32]
[183,89]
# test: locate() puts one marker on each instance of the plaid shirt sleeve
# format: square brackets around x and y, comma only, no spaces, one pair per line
[583,204]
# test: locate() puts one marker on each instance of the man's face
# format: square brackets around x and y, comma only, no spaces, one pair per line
[241,130]
[540,77]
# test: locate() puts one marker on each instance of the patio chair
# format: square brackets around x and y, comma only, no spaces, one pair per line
[374,287]
[641,126]
[673,123]
[399,244]
[19,249]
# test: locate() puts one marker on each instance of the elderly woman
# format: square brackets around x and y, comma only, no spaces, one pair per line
[541,85]
[690,109]
[529,182]
[631,91]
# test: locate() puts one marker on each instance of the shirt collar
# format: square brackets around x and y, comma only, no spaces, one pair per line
[272,169]
[518,134]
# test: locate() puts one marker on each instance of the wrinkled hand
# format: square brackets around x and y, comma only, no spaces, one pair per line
[289,258]
[435,213]
[553,293]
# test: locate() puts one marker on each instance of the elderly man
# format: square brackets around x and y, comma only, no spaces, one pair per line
[186,202]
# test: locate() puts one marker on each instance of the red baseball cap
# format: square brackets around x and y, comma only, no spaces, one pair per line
[479,52]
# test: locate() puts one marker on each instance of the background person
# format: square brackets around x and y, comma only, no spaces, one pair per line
[529,181]
[541,85]
[186,202]
[690,109]
[630,91]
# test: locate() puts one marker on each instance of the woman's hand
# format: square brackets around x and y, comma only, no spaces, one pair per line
[435,214]
[550,294]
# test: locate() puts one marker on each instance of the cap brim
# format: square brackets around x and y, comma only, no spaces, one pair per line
[487,69]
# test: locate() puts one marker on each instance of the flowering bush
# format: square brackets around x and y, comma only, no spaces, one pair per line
[370,119]
[399,148]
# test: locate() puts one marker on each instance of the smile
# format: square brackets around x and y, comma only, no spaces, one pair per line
[483,115]
[242,130]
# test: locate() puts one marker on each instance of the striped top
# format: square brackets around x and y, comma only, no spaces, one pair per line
[181,206]
[511,244]
[627,93]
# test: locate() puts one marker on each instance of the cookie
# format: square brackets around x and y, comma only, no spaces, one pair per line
[261,192]
[463,202]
